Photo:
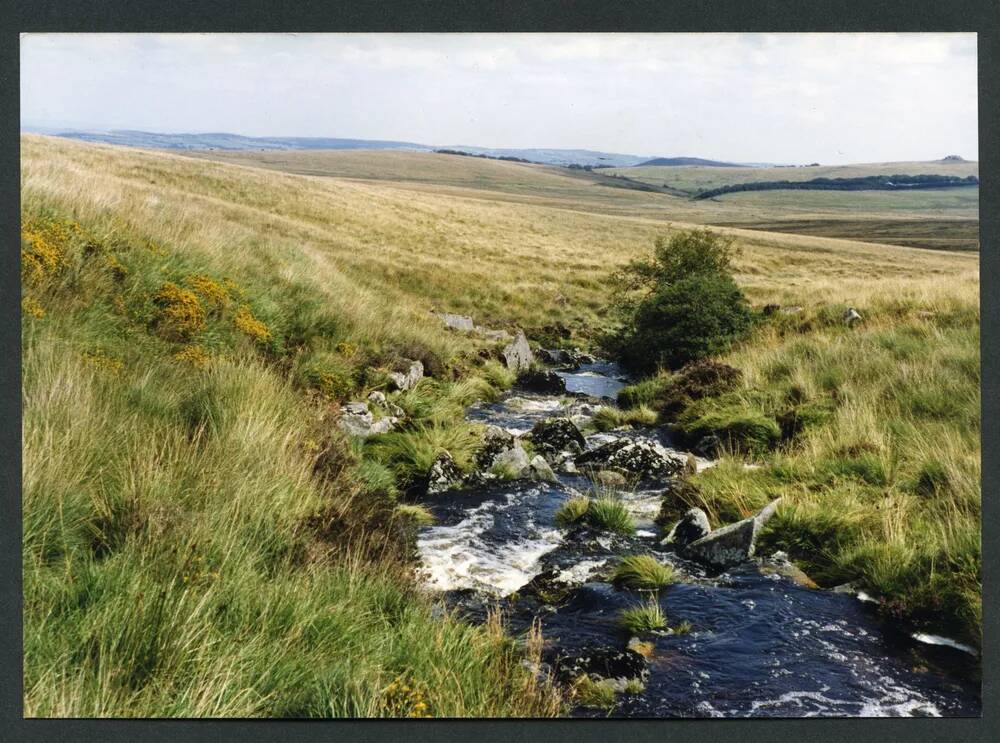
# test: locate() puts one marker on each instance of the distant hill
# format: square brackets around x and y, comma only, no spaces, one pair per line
[689,161]
[225,141]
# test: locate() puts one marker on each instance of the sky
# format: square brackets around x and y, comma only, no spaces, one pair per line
[783,98]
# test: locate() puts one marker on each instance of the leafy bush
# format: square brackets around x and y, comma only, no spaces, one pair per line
[681,305]
[643,572]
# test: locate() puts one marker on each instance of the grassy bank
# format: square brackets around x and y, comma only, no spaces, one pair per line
[199,540]
[871,434]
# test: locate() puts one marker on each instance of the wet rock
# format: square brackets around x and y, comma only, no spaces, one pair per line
[642,647]
[779,564]
[512,463]
[539,380]
[585,358]
[517,355]
[692,526]
[495,441]
[555,356]
[555,435]
[638,459]
[708,446]
[732,544]
[456,322]
[443,474]
[610,479]
[539,469]
[618,666]
[851,316]
[408,380]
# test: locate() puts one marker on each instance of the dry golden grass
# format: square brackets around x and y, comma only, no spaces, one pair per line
[384,254]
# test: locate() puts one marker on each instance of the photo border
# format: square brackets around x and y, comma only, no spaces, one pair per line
[981,16]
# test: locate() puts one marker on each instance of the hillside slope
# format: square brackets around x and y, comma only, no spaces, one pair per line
[190,329]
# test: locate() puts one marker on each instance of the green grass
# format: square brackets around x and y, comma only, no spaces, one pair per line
[643,572]
[643,619]
[607,418]
[605,513]
[198,540]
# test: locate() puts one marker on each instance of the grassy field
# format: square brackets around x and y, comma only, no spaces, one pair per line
[936,219]
[198,539]
[692,178]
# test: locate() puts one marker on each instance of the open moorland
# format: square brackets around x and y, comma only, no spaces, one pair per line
[201,540]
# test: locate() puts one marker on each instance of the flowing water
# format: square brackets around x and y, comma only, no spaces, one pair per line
[760,643]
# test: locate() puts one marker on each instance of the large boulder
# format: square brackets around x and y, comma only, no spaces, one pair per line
[512,464]
[517,355]
[731,544]
[408,380]
[495,441]
[692,526]
[541,380]
[539,469]
[443,474]
[639,459]
[556,435]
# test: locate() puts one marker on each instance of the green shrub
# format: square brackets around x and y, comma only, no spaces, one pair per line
[643,619]
[643,572]
[681,305]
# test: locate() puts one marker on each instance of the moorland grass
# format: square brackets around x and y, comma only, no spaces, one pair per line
[643,572]
[643,619]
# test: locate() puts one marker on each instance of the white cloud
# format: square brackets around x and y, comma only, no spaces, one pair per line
[779,97]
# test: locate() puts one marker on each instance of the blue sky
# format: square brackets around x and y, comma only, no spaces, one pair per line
[793,98]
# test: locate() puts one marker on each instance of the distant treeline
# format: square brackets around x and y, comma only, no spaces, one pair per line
[509,158]
[865,183]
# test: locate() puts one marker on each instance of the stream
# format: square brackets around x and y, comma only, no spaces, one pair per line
[760,643]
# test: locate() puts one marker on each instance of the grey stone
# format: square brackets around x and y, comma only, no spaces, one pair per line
[443,474]
[457,322]
[791,310]
[851,316]
[409,379]
[731,544]
[512,463]
[540,469]
[692,526]
[639,459]
[555,435]
[517,355]
[378,398]
[539,380]
[356,419]
[495,441]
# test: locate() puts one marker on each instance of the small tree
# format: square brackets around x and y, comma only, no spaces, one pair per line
[680,305]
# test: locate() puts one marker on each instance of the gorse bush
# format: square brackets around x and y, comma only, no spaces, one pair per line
[680,305]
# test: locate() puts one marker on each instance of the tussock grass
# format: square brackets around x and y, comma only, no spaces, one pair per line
[643,619]
[605,512]
[607,418]
[643,572]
